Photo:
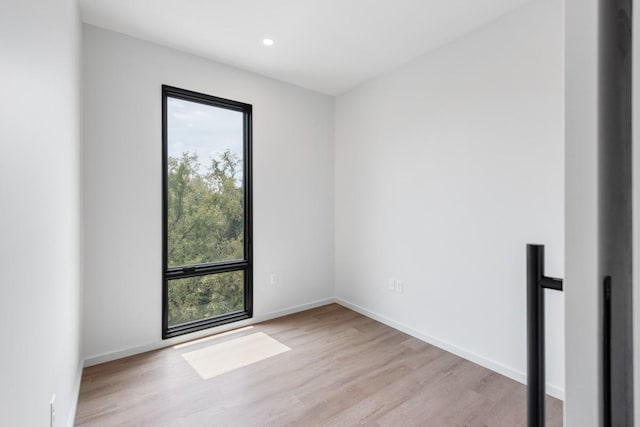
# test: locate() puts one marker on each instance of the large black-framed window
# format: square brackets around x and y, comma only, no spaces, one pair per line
[207,212]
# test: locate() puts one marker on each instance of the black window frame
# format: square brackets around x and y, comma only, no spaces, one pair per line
[246,264]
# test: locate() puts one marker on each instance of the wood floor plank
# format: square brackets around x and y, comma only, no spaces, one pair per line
[343,369]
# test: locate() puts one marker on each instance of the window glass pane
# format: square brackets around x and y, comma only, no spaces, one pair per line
[202,297]
[205,197]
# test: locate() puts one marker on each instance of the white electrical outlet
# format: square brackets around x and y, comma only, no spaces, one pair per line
[392,284]
[273,278]
[52,411]
[399,286]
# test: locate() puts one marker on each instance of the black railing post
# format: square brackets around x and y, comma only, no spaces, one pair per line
[536,283]
[535,337]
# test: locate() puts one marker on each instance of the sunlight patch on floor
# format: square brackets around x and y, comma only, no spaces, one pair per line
[212,337]
[221,358]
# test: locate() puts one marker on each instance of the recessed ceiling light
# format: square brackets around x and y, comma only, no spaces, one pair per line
[267,42]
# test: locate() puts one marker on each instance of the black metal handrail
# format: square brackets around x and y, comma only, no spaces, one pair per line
[537,282]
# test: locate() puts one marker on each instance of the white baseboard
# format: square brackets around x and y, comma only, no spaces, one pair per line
[107,357]
[514,374]
[74,398]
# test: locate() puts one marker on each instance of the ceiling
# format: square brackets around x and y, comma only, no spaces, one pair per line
[325,45]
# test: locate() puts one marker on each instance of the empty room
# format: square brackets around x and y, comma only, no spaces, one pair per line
[318,213]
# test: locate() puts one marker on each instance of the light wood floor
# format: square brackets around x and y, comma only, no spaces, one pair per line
[343,369]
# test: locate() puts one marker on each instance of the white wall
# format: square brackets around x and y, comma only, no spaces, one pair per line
[445,169]
[293,187]
[39,211]
[582,404]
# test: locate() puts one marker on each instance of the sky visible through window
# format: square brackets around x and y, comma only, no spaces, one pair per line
[203,130]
